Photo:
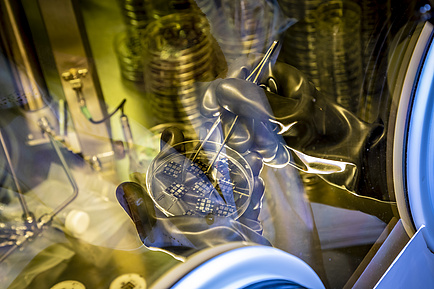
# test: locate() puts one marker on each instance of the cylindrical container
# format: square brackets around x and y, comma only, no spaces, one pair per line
[135,12]
[339,51]
[245,27]
[129,53]
[136,15]
[299,40]
[179,53]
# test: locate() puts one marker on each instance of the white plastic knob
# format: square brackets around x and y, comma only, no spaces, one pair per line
[77,222]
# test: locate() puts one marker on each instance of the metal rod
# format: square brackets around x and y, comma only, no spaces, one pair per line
[222,145]
[257,71]
[50,216]
[45,126]
[27,77]
[205,140]
[28,216]
[8,252]
[70,179]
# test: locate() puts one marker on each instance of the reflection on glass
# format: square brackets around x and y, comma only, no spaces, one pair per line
[289,173]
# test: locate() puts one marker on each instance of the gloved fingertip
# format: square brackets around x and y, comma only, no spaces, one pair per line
[209,105]
[171,136]
[240,72]
[138,205]
[122,199]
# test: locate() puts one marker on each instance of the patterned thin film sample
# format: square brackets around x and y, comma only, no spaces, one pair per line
[224,210]
[202,188]
[226,186]
[172,169]
[198,169]
[177,190]
[204,205]
[190,213]
[224,166]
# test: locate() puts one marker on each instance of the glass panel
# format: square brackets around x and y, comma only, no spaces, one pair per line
[135,133]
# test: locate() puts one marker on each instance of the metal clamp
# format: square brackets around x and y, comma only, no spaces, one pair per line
[74,75]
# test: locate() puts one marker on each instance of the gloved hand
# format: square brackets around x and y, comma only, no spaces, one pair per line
[291,122]
[194,228]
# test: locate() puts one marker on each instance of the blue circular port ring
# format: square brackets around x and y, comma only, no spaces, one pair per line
[241,266]
[413,156]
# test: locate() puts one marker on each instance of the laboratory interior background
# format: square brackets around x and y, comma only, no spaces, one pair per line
[216,144]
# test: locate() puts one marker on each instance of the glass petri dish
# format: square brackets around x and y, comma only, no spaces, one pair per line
[179,186]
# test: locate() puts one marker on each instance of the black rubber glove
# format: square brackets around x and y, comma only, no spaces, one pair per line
[291,122]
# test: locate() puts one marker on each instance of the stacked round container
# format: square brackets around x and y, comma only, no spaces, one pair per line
[128,51]
[127,43]
[244,28]
[135,12]
[299,42]
[178,54]
[376,21]
[339,51]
